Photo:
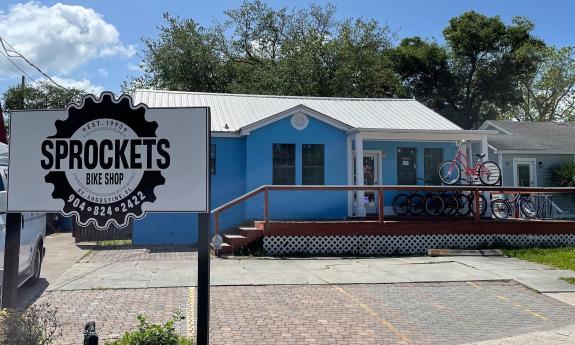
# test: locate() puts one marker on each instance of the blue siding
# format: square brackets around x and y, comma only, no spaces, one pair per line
[244,164]
[297,205]
[227,183]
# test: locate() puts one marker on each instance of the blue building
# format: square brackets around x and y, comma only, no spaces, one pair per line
[284,140]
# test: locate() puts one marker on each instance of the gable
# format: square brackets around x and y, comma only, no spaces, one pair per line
[299,118]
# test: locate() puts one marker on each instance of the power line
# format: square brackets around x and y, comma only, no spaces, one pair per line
[21,69]
[3,42]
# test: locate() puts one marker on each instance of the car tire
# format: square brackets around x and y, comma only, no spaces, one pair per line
[36,266]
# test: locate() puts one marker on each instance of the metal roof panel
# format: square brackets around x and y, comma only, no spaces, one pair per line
[237,110]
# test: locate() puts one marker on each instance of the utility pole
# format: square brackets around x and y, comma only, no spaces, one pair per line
[22,88]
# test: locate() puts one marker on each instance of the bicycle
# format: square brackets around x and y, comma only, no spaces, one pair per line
[488,172]
[412,203]
[503,208]
[451,203]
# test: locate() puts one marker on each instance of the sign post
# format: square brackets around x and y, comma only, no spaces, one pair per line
[11,260]
[106,161]
[203,323]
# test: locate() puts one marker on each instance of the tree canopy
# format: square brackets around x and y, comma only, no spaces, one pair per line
[485,69]
[42,96]
[262,50]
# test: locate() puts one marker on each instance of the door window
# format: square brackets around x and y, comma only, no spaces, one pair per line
[524,175]
[432,157]
[406,165]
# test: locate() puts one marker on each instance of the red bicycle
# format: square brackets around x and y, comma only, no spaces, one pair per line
[488,172]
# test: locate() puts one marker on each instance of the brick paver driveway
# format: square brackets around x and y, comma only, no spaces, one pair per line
[407,313]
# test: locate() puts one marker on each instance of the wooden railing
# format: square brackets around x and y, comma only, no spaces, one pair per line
[380,189]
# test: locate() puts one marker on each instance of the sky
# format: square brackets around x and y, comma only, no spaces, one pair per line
[96,44]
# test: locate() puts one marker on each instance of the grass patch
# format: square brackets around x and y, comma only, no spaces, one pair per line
[569,280]
[112,243]
[563,258]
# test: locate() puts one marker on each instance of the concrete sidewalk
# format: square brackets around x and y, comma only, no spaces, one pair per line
[141,273]
[61,254]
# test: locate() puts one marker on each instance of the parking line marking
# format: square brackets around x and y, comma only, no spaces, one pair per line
[474,285]
[519,306]
[373,313]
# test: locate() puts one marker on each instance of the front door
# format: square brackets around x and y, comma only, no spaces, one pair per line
[370,177]
[524,173]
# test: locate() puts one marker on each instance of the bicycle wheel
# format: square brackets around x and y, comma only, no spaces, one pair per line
[450,205]
[417,206]
[434,205]
[501,208]
[449,172]
[401,204]
[528,207]
[463,204]
[489,173]
[482,204]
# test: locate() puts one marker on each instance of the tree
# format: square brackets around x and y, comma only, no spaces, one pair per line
[475,76]
[184,57]
[424,67]
[262,50]
[548,92]
[43,96]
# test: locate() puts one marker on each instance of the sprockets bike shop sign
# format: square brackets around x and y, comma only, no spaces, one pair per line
[107,160]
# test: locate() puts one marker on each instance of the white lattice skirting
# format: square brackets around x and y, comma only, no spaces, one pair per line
[403,244]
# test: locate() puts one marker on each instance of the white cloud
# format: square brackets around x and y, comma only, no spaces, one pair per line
[103,72]
[82,84]
[59,38]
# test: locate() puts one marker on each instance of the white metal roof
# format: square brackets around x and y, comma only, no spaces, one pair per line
[231,112]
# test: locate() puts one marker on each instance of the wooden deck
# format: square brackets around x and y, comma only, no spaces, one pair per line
[417,226]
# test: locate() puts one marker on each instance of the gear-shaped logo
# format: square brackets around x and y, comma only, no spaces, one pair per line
[105,160]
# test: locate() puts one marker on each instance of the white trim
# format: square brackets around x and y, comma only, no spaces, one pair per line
[494,125]
[349,153]
[378,166]
[517,161]
[500,163]
[225,135]
[359,206]
[421,135]
[378,154]
[291,111]
[536,152]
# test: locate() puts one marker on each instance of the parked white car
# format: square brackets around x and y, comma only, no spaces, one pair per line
[33,232]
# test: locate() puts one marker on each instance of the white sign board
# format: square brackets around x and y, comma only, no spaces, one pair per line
[107,160]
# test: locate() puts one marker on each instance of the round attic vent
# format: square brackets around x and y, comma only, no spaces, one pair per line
[299,121]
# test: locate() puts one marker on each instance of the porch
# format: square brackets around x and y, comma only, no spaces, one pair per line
[402,157]
[387,233]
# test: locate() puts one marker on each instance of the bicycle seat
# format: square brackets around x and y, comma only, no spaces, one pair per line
[480,155]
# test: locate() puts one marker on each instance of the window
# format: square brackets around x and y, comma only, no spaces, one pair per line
[283,164]
[406,165]
[213,159]
[432,157]
[312,164]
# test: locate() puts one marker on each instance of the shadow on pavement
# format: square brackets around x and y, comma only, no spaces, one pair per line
[28,294]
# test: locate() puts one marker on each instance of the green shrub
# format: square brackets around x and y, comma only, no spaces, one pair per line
[152,334]
[562,174]
[37,325]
